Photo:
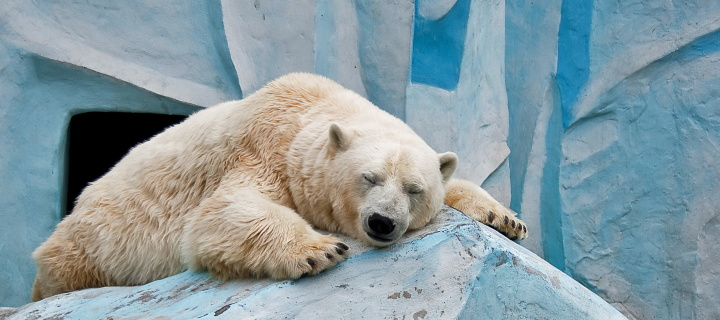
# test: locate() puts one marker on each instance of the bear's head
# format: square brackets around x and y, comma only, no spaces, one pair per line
[387,181]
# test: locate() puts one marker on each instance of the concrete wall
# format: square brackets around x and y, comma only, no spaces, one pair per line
[596,120]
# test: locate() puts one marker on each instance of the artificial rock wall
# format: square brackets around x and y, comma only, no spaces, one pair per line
[613,127]
[597,121]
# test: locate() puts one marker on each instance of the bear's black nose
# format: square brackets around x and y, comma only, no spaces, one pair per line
[382,226]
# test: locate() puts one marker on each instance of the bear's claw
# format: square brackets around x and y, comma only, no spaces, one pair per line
[479,205]
[510,226]
[314,254]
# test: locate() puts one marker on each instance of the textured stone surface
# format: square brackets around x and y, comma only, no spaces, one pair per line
[535,125]
[455,268]
[639,172]
[615,131]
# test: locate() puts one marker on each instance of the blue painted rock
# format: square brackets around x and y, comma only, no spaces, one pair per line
[454,268]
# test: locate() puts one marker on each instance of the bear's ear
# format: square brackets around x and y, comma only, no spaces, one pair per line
[339,137]
[448,164]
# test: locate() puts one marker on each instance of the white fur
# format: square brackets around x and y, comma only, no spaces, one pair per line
[236,189]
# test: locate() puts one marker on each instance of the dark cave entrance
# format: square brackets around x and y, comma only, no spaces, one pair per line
[98,140]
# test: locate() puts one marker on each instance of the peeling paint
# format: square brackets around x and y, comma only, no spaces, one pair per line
[419,315]
[221,310]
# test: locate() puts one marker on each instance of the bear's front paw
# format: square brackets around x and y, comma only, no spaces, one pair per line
[504,221]
[308,255]
[327,256]
[495,216]
[499,218]
[479,205]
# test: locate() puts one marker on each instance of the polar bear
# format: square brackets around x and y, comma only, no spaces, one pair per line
[240,188]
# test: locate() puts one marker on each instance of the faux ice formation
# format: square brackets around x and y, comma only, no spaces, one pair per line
[455,269]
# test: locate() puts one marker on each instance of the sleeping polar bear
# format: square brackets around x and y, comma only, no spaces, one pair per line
[236,189]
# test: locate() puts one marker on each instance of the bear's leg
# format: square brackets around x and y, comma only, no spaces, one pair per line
[62,267]
[479,205]
[239,232]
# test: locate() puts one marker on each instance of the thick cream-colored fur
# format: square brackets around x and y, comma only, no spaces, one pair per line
[237,188]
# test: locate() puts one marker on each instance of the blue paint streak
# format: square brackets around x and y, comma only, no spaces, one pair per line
[551,224]
[221,45]
[573,53]
[438,47]
[324,25]
[701,47]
